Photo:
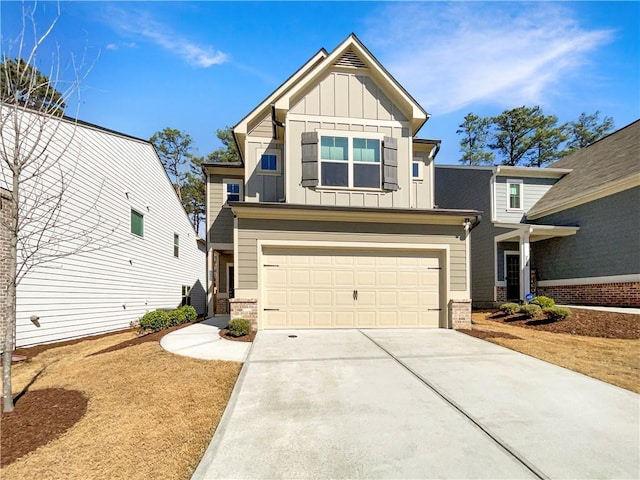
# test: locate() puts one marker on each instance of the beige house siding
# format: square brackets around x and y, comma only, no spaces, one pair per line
[261,186]
[221,226]
[347,197]
[345,94]
[262,128]
[421,194]
[250,231]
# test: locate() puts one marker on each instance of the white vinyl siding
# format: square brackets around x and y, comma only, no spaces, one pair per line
[123,276]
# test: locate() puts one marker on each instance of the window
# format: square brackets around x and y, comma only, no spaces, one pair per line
[137,223]
[186,295]
[232,190]
[176,244]
[268,161]
[349,162]
[514,192]
[416,169]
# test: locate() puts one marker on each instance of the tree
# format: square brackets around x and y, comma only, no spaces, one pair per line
[229,150]
[24,85]
[174,149]
[474,142]
[586,130]
[37,170]
[547,139]
[514,135]
[194,189]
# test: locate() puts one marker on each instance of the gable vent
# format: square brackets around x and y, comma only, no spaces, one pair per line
[350,59]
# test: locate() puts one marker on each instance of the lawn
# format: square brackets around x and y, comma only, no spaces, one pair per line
[613,360]
[141,412]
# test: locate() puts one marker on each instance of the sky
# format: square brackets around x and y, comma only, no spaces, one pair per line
[202,66]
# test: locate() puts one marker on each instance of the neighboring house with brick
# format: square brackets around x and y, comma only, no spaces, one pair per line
[139,251]
[329,220]
[569,231]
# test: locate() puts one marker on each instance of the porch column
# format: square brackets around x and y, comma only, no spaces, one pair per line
[525,265]
[216,280]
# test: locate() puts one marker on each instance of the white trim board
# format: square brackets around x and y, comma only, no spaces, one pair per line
[634,277]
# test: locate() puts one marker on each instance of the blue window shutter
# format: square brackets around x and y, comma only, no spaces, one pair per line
[390,164]
[310,159]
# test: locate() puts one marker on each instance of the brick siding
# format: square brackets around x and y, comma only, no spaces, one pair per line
[246,308]
[501,294]
[222,305]
[460,313]
[603,294]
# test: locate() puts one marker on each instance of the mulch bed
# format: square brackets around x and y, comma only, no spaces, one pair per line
[478,333]
[39,417]
[588,323]
[224,333]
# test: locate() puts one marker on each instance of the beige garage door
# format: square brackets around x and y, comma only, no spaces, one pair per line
[346,288]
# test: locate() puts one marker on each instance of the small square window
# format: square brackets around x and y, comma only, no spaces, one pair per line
[232,191]
[176,245]
[515,196]
[137,223]
[416,169]
[269,162]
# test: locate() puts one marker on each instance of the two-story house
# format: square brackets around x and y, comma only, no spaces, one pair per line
[569,231]
[329,220]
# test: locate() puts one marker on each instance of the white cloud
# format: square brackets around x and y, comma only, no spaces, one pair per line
[141,25]
[452,55]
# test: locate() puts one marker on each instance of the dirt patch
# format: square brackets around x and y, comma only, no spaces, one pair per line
[39,417]
[478,333]
[589,323]
[149,337]
[224,333]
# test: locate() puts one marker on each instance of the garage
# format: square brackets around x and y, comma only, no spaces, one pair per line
[350,288]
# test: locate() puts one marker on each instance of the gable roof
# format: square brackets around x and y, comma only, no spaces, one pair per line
[608,166]
[351,53]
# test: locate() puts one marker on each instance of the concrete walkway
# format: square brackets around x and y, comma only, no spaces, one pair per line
[202,340]
[417,404]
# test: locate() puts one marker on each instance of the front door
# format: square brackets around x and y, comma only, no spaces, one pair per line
[512,267]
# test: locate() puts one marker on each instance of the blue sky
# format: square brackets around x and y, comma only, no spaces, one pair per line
[199,66]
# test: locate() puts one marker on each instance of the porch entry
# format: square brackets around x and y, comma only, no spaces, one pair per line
[512,269]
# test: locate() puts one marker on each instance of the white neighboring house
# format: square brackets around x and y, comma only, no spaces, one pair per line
[142,251]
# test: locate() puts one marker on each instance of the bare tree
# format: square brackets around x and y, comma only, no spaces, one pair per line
[38,158]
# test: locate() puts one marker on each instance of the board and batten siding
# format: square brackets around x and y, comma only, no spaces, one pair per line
[347,197]
[349,95]
[263,186]
[421,195]
[121,276]
[252,230]
[605,245]
[532,190]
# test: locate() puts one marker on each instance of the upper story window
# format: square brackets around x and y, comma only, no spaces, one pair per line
[176,245]
[416,169]
[232,189]
[137,223]
[350,161]
[269,161]
[514,194]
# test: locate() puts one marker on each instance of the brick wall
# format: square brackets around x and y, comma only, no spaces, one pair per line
[501,295]
[5,216]
[246,308]
[222,306]
[460,313]
[603,294]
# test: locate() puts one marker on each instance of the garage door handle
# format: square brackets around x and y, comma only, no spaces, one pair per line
[434,309]
[271,309]
[355,294]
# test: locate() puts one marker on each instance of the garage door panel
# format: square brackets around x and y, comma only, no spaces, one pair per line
[314,288]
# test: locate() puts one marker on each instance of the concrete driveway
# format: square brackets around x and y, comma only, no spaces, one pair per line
[417,404]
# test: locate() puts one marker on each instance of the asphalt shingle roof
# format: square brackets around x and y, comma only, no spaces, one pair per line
[609,160]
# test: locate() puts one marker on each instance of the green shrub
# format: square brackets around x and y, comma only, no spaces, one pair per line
[557,313]
[543,302]
[189,312]
[239,327]
[177,317]
[510,308]
[155,321]
[530,310]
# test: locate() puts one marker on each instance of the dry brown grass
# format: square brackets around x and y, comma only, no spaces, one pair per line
[610,360]
[151,414]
